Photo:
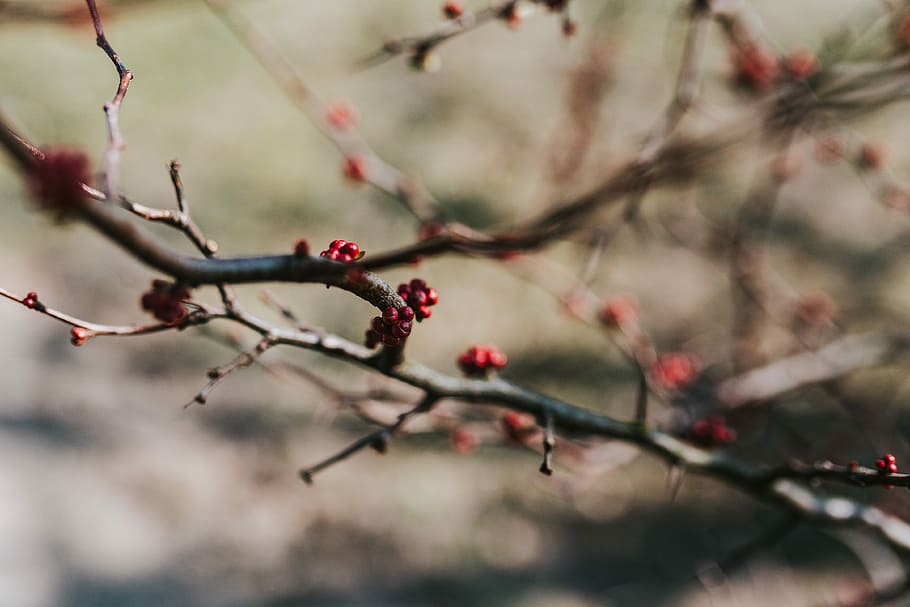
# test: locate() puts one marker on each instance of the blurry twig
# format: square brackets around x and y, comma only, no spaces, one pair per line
[405,188]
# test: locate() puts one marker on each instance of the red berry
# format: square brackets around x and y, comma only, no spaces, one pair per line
[432,296]
[890,458]
[377,325]
[417,298]
[453,9]
[390,315]
[337,244]
[402,329]
[31,300]
[352,249]
[406,313]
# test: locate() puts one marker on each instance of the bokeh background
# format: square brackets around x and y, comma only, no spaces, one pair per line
[111,493]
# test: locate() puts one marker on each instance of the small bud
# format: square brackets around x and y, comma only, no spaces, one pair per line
[453,9]
[873,156]
[463,441]
[355,169]
[340,115]
[78,336]
[801,64]
[301,248]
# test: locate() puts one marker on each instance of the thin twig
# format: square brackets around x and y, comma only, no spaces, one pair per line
[378,440]
[219,374]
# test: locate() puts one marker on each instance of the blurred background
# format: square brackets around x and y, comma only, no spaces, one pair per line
[111,493]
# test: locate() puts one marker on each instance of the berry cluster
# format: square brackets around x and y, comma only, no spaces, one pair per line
[391,328]
[711,432]
[56,182]
[342,250]
[478,361]
[886,464]
[419,296]
[675,371]
[165,301]
[31,301]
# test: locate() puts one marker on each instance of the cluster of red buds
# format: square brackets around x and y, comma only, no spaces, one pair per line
[56,182]
[618,311]
[676,370]
[340,250]
[419,296]
[712,432]
[31,302]
[887,464]
[391,328]
[165,301]
[478,361]
[78,336]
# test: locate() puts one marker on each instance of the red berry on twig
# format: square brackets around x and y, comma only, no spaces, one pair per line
[479,361]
